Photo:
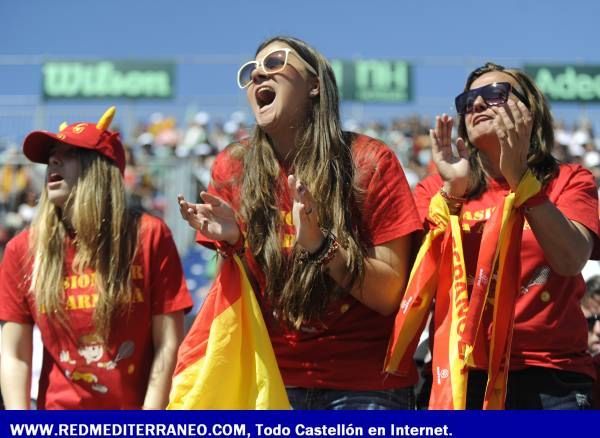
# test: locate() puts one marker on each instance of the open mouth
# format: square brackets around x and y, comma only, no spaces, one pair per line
[265,96]
[54,177]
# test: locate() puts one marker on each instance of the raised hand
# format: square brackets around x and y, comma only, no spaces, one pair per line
[513,124]
[305,216]
[453,169]
[214,218]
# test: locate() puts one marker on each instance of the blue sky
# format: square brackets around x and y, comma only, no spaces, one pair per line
[443,39]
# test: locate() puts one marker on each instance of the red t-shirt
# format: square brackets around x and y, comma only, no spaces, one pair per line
[346,348]
[78,372]
[550,330]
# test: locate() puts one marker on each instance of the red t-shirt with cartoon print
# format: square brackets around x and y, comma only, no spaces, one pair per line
[346,348]
[550,330]
[78,371]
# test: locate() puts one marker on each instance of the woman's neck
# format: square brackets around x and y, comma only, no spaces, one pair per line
[489,158]
[284,144]
[67,222]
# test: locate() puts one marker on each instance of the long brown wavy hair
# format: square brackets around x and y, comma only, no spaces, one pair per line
[105,236]
[323,161]
[539,158]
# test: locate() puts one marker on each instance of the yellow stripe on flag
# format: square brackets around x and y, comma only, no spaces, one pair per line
[234,366]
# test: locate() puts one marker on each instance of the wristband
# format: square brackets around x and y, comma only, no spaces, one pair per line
[448,197]
[454,203]
[225,249]
[324,254]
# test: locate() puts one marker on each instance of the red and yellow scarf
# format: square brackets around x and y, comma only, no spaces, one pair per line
[460,338]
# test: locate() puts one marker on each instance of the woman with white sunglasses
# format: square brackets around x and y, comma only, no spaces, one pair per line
[504,147]
[324,220]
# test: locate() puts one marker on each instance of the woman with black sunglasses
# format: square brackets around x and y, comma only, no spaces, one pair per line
[324,220]
[505,141]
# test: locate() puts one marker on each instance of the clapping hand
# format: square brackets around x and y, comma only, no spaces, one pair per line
[513,124]
[454,169]
[305,216]
[214,218]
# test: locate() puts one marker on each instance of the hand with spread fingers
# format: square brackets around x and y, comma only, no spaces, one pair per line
[454,169]
[513,124]
[214,218]
[305,215]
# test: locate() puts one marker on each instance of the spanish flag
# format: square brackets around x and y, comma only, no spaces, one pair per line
[226,360]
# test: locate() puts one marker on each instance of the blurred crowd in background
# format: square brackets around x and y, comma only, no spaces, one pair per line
[162,138]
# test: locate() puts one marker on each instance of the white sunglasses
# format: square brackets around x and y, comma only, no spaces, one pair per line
[272,62]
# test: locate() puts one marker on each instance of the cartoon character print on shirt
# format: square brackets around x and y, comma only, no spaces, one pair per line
[92,354]
[538,278]
[91,350]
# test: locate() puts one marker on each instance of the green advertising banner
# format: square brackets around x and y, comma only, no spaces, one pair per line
[108,79]
[372,80]
[567,83]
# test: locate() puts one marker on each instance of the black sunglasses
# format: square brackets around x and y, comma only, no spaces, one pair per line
[494,94]
[591,321]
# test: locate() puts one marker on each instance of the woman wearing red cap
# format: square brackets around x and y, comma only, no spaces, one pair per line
[103,283]
[327,218]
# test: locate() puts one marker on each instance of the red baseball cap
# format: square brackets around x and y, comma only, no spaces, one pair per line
[95,137]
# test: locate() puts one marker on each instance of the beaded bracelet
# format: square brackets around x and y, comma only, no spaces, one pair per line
[324,254]
[330,254]
[448,197]
[454,202]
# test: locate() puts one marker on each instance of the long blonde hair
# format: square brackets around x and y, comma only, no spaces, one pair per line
[323,160]
[105,238]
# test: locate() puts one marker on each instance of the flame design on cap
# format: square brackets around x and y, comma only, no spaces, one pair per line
[62,126]
[106,118]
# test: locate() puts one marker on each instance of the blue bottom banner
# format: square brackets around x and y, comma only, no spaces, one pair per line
[260,424]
